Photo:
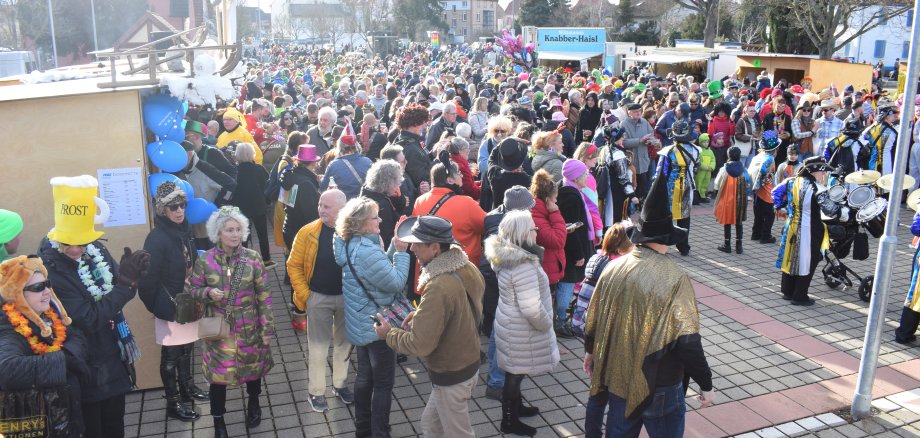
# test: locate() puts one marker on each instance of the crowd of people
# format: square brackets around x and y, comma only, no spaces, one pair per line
[426,199]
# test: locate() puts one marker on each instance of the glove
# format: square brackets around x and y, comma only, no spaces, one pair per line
[133,266]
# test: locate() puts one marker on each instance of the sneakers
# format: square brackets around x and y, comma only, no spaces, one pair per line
[318,403]
[493,393]
[344,394]
[268,264]
[564,331]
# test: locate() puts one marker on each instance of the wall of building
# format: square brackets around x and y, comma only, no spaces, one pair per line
[823,73]
[889,39]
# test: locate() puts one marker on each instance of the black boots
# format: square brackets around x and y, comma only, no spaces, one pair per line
[186,378]
[220,428]
[179,404]
[725,247]
[511,407]
[254,413]
[738,247]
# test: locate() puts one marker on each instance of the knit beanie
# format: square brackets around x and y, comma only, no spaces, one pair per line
[518,198]
[10,225]
[572,169]
[168,193]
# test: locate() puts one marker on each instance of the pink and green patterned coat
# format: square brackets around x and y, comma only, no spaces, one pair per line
[243,356]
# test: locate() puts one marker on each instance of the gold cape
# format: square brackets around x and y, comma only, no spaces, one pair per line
[642,304]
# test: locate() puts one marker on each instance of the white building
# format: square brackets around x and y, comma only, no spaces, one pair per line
[888,40]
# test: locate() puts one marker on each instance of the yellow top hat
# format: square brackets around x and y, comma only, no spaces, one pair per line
[75,206]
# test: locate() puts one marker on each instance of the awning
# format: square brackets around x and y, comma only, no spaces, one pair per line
[568,56]
[662,58]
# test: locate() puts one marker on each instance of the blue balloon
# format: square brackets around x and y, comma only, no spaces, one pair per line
[187,188]
[162,113]
[155,179]
[176,133]
[167,155]
[199,210]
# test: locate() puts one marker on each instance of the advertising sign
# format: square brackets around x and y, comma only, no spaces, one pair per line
[558,39]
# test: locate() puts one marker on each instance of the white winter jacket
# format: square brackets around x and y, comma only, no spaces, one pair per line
[524,338]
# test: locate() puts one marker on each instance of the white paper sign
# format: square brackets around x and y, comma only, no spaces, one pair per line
[123,190]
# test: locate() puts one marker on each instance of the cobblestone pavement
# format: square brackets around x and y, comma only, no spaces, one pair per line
[780,370]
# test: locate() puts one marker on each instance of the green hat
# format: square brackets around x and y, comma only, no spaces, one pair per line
[715,89]
[703,139]
[538,97]
[640,86]
[196,127]
[10,225]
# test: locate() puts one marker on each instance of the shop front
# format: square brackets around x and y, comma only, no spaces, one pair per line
[575,47]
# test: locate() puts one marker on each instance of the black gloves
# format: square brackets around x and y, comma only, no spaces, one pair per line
[133,266]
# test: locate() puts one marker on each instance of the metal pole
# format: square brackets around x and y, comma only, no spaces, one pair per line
[862,398]
[92,10]
[53,42]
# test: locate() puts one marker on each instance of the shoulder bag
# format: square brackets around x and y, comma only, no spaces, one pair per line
[395,312]
[36,412]
[217,327]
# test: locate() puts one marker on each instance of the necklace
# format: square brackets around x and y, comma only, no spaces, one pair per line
[21,326]
[103,271]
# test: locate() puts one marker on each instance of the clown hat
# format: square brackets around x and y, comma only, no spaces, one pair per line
[10,225]
[715,89]
[75,210]
[14,274]
[348,137]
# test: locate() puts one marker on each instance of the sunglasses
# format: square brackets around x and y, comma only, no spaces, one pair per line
[38,287]
[176,207]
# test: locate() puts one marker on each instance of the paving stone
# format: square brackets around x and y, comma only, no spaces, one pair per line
[811,423]
[770,432]
[791,429]
[831,419]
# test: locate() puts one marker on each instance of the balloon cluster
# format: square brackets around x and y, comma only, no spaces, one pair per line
[513,48]
[163,115]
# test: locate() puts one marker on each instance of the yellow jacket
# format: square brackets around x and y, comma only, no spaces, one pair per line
[301,261]
[242,135]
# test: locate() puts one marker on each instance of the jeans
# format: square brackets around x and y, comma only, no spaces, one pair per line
[564,292]
[496,374]
[373,389]
[662,418]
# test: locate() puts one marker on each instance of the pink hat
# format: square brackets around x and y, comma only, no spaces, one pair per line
[307,152]
[555,102]
[776,92]
[558,116]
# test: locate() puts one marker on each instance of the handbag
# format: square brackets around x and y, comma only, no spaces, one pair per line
[396,312]
[188,309]
[35,412]
[217,327]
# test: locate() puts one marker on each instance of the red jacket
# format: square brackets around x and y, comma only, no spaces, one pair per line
[723,125]
[471,187]
[551,236]
[252,125]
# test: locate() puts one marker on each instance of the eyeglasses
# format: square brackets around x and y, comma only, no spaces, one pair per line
[175,207]
[38,287]
[288,119]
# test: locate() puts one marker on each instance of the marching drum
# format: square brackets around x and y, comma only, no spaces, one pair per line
[837,194]
[872,216]
[860,196]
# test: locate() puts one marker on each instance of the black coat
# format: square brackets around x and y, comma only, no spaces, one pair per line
[418,164]
[499,181]
[390,209]
[61,370]
[110,376]
[168,243]
[250,190]
[577,244]
[304,210]
[491,294]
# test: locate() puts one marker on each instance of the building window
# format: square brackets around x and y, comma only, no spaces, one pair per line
[445,16]
[882,16]
[464,31]
[905,48]
[910,18]
[477,17]
[488,20]
[879,49]
[178,8]
[464,17]
[465,4]
[453,22]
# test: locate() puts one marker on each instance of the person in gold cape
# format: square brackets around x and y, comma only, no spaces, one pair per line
[642,334]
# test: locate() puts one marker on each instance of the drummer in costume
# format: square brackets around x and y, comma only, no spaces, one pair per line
[841,152]
[677,163]
[910,314]
[761,170]
[880,138]
[733,186]
[804,235]
[614,179]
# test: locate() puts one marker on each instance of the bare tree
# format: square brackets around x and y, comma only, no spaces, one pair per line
[708,8]
[831,24]
[668,24]
[750,20]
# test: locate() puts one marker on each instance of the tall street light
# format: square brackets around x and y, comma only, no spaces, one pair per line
[53,42]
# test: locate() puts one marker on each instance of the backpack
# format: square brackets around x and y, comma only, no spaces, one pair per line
[584,290]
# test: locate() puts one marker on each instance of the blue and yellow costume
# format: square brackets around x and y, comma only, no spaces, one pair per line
[910,314]
[880,138]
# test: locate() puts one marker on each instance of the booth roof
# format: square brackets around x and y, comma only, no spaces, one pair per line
[667,58]
[568,56]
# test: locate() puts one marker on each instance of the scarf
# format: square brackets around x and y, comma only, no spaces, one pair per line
[589,224]
[130,352]
[365,135]
[534,249]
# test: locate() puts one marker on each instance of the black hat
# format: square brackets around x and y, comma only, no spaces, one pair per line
[512,154]
[815,164]
[633,107]
[680,131]
[656,224]
[425,229]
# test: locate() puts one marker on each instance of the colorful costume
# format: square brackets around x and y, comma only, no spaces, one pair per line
[614,180]
[677,163]
[761,170]
[804,234]
[707,165]
[910,314]
[733,185]
[880,139]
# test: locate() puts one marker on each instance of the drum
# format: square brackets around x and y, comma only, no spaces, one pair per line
[837,194]
[872,216]
[860,196]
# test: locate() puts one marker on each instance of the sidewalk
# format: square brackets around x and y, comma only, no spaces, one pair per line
[780,370]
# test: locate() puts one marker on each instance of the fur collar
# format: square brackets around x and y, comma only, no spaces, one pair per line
[447,262]
[504,254]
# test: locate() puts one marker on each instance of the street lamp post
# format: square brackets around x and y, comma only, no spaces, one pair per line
[92,10]
[53,42]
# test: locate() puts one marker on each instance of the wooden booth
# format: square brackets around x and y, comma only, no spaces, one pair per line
[794,68]
[72,128]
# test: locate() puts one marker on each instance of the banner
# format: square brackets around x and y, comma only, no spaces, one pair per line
[435,40]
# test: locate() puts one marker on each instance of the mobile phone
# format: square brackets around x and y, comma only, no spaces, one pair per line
[374,319]
[573,226]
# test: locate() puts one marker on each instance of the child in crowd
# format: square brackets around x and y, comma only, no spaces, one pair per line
[704,173]
[733,185]
[787,168]
[762,170]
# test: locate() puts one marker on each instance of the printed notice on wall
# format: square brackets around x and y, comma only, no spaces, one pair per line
[123,190]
